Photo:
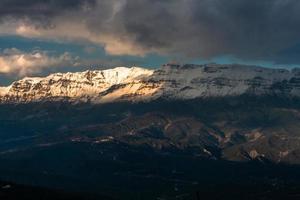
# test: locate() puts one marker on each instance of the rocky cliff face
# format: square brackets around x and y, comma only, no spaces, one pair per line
[169,82]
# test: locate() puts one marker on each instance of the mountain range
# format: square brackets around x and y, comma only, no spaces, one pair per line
[177,130]
[169,82]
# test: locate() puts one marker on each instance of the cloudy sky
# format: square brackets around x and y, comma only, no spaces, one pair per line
[38,37]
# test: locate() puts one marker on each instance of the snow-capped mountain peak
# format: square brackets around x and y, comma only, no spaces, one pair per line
[170,81]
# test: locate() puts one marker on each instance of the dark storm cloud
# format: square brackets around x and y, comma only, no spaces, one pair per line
[259,29]
[39,11]
[246,29]
[29,8]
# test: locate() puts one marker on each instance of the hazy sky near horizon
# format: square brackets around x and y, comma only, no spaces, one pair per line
[38,37]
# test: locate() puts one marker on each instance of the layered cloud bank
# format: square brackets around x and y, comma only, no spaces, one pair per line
[14,61]
[257,30]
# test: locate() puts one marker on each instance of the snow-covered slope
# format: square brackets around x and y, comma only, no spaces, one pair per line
[3,91]
[170,81]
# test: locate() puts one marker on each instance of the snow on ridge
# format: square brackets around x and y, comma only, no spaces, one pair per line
[170,81]
[114,75]
[72,85]
[3,91]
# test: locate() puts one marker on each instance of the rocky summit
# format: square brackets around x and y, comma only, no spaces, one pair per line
[168,82]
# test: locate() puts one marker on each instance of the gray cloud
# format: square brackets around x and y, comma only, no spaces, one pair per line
[31,8]
[18,63]
[259,29]
[40,12]
[253,30]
